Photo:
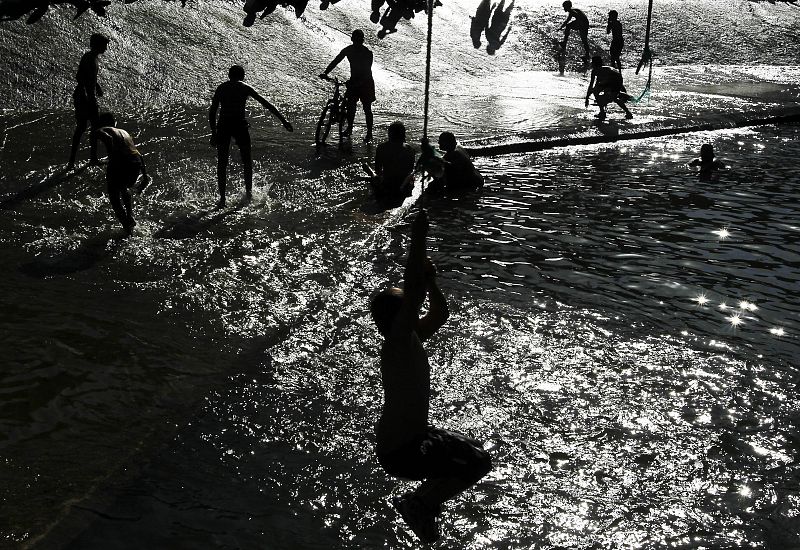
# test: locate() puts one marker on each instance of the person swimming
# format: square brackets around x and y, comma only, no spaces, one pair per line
[446,462]
[707,164]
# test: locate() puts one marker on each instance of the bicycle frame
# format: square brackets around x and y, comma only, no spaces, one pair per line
[335,111]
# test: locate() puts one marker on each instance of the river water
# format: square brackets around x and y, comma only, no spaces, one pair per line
[623,335]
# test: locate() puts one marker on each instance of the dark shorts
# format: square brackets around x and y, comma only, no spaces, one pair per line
[436,454]
[86,110]
[363,91]
[581,28]
[615,50]
[122,174]
[239,131]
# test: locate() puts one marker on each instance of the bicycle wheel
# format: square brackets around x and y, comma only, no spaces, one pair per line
[323,126]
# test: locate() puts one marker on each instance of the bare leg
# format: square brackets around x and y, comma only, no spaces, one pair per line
[80,128]
[245,148]
[352,104]
[368,117]
[628,114]
[223,152]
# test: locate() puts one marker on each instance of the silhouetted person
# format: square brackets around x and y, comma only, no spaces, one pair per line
[266,7]
[361,85]
[394,166]
[607,87]
[125,163]
[480,22]
[706,162]
[375,7]
[85,98]
[325,3]
[446,462]
[617,42]
[459,172]
[499,24]
[230,99]
[576,20]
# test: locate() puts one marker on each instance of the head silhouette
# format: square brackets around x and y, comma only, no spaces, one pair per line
[98,42]
[384,308]
[447,141]
[707,152]
[236,73]
[612,15]
[397,131]
[357,37]
[106,119]
[567,5]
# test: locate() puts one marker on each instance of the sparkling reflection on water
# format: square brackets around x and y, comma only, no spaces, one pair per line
[592,346]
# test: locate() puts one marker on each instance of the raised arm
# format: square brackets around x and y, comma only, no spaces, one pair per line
[439,312]
[414,284]
[271,108]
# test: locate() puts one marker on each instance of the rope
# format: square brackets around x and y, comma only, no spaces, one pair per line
[647,57]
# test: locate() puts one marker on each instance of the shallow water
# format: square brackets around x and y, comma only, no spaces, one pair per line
[212,381]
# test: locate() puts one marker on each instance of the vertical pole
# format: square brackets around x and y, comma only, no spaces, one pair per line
[428,68]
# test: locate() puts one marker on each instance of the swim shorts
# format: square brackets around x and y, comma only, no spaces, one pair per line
[239,130]
[363,91]
[582,28]
[616,49]
[123,173]
[438,453]
[85,108]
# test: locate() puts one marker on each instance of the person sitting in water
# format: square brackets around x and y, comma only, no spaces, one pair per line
[125,163]
[394,166]
[459,172]
[607,87]
[446,462]
[230,99]
[361,85]
[576,20]
[706,162]
[614,27]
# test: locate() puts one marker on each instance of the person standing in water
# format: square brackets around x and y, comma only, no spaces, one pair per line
[85,98]
[446,462]
[607,87]
[230,99]
[361,85]
[614,27]
[125,163]
[394,166]
[576,20]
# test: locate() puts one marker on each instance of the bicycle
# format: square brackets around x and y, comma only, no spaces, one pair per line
[334,112]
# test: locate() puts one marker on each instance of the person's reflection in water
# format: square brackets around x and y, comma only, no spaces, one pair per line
[480,22]
[325,3]
[446,462]
[266,7]
[708,165]
[230,99]
[494,33]
[394,167]
[85,98]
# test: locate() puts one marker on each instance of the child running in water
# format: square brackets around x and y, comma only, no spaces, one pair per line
[446,462]
[125,163]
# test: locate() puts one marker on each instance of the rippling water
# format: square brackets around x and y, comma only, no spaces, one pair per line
[623,336]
